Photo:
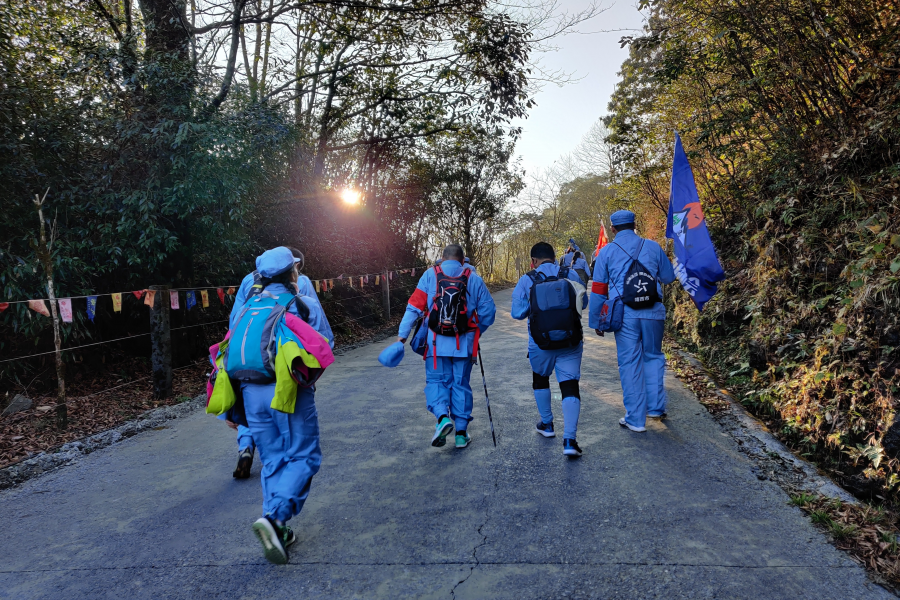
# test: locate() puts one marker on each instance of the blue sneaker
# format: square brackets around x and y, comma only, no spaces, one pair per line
[441,431]
[570,448]
[545,429]
[463,439]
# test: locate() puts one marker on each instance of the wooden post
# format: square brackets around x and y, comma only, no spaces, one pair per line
[43,249]
[386,295]
[161,342]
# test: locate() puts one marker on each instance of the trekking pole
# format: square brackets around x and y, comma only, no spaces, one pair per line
[486,399]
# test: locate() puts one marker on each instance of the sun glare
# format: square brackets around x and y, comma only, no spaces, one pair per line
[350,196]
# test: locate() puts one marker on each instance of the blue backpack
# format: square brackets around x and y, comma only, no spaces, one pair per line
[554,320]
[251,353]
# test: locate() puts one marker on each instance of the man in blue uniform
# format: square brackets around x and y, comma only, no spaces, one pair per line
[642,363]
[288,443]
[449,358]
[305,288]
[566,360]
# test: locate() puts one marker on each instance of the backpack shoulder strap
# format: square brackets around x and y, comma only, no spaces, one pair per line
[533,275]
[563,273]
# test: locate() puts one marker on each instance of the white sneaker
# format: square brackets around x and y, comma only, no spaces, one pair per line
[623,423]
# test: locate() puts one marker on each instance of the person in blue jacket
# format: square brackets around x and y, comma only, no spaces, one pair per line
[288,443]
[566,361]
[580,265]
[642,363]
[448,359]
[305,288]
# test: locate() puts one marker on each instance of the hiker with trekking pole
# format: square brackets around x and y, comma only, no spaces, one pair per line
[552,297]
[453,308]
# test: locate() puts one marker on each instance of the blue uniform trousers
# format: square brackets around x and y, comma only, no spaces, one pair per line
[447,388]
[567,363]
[244,438]
[642,366]
[288,447]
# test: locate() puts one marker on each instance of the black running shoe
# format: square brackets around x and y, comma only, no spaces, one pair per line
[245,461]
[570,448]
[545,429]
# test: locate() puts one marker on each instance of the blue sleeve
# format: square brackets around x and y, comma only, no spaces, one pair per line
[240,299]
[666,272]
[484,304]
[600,276]
[317,319]
[521,302]
[414,313]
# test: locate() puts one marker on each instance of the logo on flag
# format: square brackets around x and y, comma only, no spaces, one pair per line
[190,300]
[696,264]
[117,302]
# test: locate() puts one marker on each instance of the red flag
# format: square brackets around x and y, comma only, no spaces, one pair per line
[221,294]
[4,306]
[602,240]
[139,294]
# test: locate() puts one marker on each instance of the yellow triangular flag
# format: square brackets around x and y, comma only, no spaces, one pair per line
[204,295]
[317,285]
[117,302]
[377,279]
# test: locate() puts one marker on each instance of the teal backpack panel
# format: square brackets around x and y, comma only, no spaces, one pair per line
[251,353]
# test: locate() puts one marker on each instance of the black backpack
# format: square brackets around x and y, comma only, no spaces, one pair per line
[449,313]
[639,287]
[554,320]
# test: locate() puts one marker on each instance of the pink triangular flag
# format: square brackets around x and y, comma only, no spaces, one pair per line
[39,307]
[173,299]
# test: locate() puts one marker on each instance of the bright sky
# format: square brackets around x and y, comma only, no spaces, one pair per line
[564,114]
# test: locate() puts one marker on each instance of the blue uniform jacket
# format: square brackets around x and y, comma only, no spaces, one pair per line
[581,264]
[477,297]
[317,318]
[609,274]
[521,298]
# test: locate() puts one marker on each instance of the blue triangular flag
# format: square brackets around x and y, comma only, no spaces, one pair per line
[91,307]
[696,263]
[191,300]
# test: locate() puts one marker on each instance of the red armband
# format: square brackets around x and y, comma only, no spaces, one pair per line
[419,300]
[600,288]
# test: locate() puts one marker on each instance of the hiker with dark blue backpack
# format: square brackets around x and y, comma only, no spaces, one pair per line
[552,297]
[628,278]
[453,305]
[252,284]
[280,414]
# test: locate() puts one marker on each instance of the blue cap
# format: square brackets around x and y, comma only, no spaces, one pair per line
[621,217]
[392,355]
[275,261]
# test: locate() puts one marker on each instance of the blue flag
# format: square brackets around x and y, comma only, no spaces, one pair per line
[91,307]
[191,300]
[696,264]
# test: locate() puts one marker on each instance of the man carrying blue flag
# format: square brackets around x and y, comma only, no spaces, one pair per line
[634,268]
[696,264]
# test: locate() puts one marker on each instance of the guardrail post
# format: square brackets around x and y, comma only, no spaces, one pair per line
[161,342]
[386,295]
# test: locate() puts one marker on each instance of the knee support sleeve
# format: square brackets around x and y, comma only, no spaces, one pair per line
[569,389]
[540,382]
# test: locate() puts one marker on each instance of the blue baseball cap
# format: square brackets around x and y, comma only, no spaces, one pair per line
[621,217]
[392,355]
[275,261]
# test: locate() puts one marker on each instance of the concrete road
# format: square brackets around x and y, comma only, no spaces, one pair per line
[672,513]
